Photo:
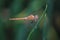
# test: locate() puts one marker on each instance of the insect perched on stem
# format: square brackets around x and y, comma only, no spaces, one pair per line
[30,17]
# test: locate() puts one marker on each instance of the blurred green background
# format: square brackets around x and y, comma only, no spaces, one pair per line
[22,29]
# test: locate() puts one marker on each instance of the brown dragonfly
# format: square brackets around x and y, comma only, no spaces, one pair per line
[30,17]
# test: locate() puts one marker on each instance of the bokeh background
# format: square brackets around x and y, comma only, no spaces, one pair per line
[42,29]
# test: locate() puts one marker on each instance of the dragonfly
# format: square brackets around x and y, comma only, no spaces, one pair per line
[30,17]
